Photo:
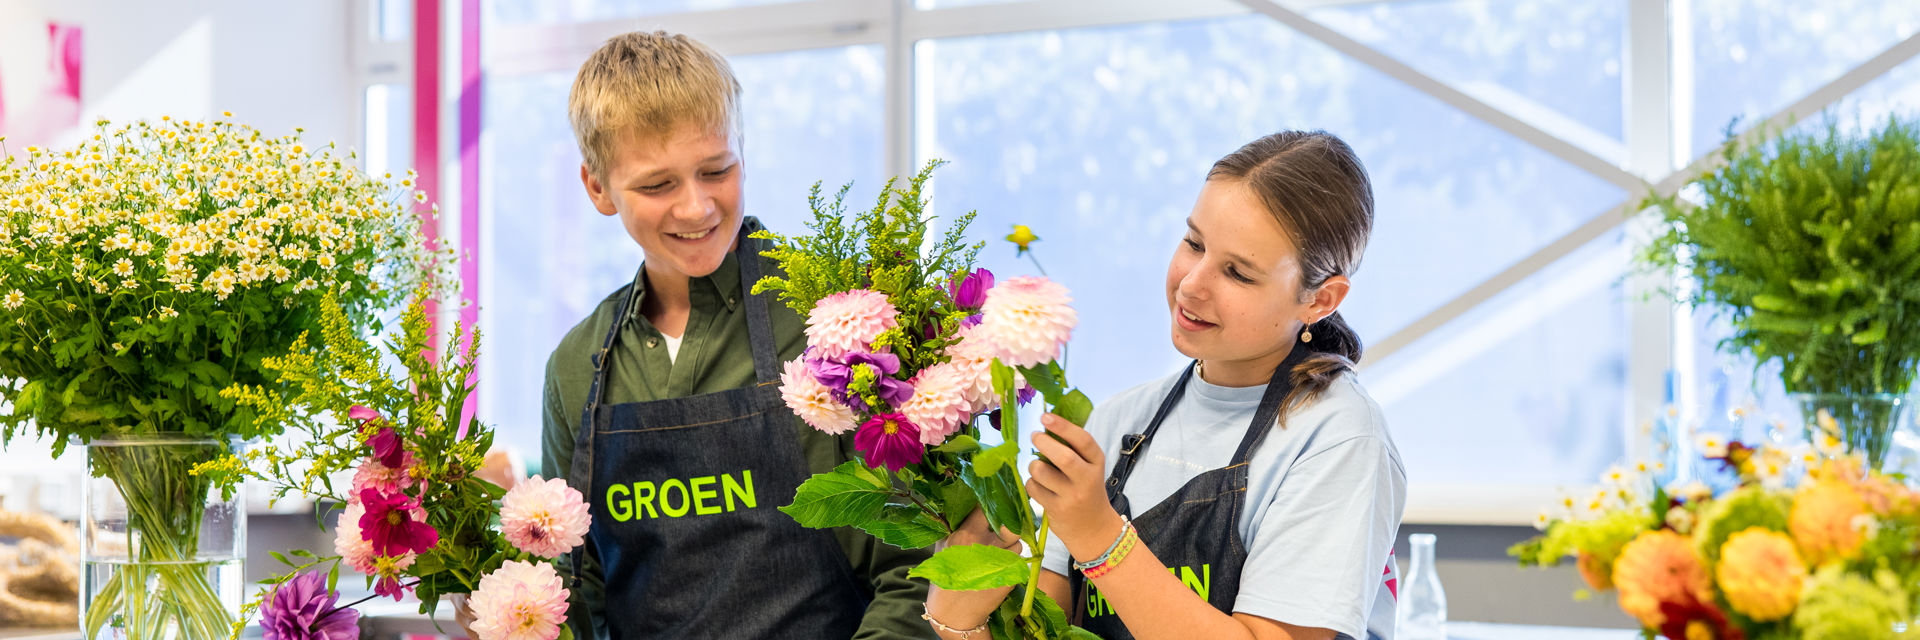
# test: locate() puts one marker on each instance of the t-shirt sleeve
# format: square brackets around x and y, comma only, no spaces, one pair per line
[1317,558]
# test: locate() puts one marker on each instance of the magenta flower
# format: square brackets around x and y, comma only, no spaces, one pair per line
[385,443]
[303,609]
[390,524]
[970,292]
[889,440]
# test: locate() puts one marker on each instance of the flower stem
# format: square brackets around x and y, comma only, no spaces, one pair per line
[1033,570]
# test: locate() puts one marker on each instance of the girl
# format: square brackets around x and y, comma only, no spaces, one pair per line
[1256,494]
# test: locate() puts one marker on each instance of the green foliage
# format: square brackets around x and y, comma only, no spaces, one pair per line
[851,494]
[317,385]
[143,272]
[1602,537]
[973,567]
[1744,508]
[882,249]
[1810,245]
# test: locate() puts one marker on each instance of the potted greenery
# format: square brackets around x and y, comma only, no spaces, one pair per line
[1809,244]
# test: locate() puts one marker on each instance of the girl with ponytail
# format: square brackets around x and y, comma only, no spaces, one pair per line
[1255,493]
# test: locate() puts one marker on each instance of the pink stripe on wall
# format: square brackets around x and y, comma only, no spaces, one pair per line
[470,159]
[426,116]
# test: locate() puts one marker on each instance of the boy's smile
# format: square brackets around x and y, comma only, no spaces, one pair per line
[678,198]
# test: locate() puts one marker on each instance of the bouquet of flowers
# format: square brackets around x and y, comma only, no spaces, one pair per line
[149,268]
[1797,544]
[909,348]
[417,518]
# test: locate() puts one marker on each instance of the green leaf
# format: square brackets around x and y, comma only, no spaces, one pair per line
[959,445]
[1002,378]
[905,527]
[956,502]
[1049,612]
[1075,407]
[990,462]
[999,496]
[282,558]
[1044,380]
[849,495]
[973,567]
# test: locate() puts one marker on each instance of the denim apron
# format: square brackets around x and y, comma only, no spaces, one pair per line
[1195,531]
[684,495]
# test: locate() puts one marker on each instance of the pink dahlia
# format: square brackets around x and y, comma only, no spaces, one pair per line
[354,546]
[374,474]
[1026,320]
[544,517]
[940,403]
[972,358]
[396,524]
[889,440]
[812,401]
[519,601]
[849,321]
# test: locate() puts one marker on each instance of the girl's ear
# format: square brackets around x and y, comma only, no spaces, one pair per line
[1327,298]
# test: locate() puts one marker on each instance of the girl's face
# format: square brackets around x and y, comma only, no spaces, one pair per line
[1233,287]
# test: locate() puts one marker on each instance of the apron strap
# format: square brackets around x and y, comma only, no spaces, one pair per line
[766,362]
[1268,414]
[1131,444]
[597,393]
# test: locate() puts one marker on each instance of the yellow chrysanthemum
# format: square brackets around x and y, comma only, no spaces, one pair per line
[1760,573]
[1659,567]
[1823,521]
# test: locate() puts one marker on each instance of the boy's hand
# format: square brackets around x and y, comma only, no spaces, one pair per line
[463,615]
[974,530]
[1071,485]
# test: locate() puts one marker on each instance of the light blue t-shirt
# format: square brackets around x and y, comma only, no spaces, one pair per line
[1324,496]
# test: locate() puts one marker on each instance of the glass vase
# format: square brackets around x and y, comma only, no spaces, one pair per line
[162,549]
[1864,422]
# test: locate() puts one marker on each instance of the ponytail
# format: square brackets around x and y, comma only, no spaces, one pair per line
[1335,349]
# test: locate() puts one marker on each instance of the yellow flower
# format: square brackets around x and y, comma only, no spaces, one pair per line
[1760,573]
[1021,237]
[123,268]
[1659,567]
[1822,521]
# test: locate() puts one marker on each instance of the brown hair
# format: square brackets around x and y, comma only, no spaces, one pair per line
[649,84]
[1312,182]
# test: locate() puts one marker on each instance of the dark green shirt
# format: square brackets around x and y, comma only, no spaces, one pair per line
[714,356]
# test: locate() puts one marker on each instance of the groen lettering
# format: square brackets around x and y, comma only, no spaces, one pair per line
[677,497]
[1201,584]
[1097,604]
[700,496]
[643,500]
[620,508]
[666,500]
[732,489]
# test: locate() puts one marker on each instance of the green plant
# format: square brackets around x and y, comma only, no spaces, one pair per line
[1809,243]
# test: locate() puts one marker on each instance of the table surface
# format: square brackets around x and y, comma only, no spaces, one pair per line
[384,622]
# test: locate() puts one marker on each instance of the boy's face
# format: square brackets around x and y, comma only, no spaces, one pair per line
[679,198]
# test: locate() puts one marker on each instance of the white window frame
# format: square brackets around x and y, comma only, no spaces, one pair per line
[1658,79]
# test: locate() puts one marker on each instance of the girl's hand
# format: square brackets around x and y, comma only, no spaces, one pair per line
[1071,485]
[974,530]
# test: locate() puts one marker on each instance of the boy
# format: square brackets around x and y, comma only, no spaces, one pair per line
[662,407]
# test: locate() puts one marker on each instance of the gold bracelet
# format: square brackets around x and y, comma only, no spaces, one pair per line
[965,634]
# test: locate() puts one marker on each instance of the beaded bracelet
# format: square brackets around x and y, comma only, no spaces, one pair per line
[1129,539]
[965,634]
[1126,525]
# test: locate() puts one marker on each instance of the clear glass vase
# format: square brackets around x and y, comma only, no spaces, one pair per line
[1422,608]
[1865,422]
[162,549]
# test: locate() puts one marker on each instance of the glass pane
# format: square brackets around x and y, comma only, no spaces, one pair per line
[1535,378]
[549,257]
[1555,64]
[392,20]
[1754,57]
[1100,139]
[389,129]
[550,12]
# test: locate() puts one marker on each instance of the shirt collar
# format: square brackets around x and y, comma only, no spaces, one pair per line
[725,281]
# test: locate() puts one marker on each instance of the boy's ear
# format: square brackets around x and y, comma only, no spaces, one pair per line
[597,192]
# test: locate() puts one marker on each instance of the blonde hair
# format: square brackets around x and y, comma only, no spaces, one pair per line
[648,85]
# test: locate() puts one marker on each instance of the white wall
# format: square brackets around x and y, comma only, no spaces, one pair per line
[275,64]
